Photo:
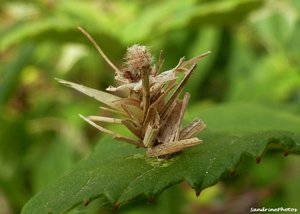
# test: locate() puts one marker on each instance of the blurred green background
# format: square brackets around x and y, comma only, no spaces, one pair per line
[255,58]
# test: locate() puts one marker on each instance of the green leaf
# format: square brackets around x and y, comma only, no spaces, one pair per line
[21,31]
[240,118]
[165,16]
[12,72]
[58,24]
[121,173]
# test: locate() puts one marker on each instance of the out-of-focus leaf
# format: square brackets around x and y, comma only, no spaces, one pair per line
[12,160]
[224,12]
[165,16]
[238,118]
[62,20]
[291,187]
[256,77]
[12,72]
[122,173]
[208,39]
[275,25]
[31,29]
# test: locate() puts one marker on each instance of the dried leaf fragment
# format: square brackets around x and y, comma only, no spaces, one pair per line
[172,147]
[106,98]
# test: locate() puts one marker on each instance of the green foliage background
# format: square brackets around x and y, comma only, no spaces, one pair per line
[255,59]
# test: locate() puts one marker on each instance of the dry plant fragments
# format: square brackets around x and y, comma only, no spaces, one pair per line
[152,109]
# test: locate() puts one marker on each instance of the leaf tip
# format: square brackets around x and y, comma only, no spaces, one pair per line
[151,199]
[86,202]
[232,172]
[81,116]
[116,205]
[258,159]
[197,192]
[58,80]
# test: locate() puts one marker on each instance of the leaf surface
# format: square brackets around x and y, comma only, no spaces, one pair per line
[121,173]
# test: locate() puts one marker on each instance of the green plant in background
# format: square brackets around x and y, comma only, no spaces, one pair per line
[247,92]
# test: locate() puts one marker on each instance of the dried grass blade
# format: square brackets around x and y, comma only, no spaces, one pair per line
[170,130]
[195,59]
[160,99]
[180,63]
[114,111]
[128,101]
[159,64]
[164,77]
[133,127]
[152,127]
[170,126]
[178,90]
[114,134]
[172,147]
[176,130]
[150,135]
[164,118]
[106,98]
[192,129]
[137,143]
[105,119]
[146,91]
[161,80]
[134,113]
[152,115]
[132,86]
[99,50]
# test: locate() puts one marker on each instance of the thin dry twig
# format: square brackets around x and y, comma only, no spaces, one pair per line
[99,49]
